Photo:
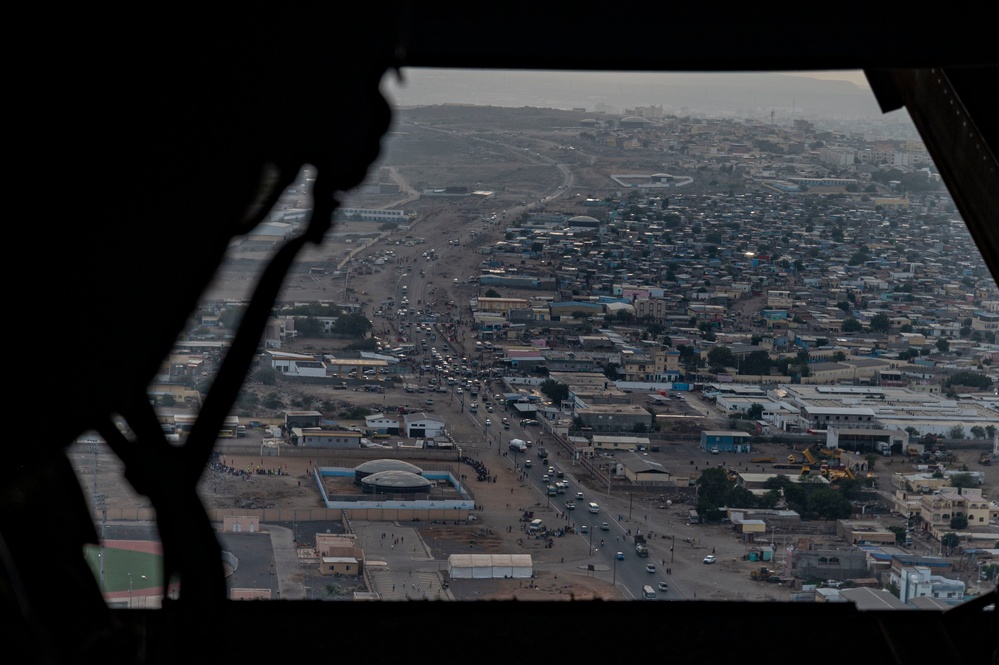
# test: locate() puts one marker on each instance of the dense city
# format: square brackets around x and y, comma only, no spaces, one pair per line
[623,354]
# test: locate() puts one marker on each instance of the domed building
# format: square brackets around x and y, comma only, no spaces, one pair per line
[362,471]
[583,223]
[395,482]
[633,122]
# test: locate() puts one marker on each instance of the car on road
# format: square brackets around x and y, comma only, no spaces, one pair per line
[528,464]
[619,556]
[488,422]
[604,526]
[650,567]
[529,422]
[544,477]
[569,505]
[579,496]
[458,391]
[584,529]
[662,586]
[710,558]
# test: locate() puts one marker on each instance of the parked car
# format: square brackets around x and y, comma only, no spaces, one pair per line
[710,558]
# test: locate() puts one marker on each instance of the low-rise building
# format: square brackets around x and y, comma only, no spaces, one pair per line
[725,441]
[920,582]
[322,438]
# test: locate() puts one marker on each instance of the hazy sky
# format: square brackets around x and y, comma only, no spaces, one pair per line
[832,93]
[853,76]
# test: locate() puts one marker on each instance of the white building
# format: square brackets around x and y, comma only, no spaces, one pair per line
[919,582]
[423,426]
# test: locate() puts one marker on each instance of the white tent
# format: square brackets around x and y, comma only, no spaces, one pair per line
[490,566]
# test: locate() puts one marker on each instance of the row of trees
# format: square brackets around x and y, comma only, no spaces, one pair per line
[811,500]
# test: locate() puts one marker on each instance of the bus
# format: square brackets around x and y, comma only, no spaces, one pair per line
[648,593]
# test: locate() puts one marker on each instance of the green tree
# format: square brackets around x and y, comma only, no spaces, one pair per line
[713,486]
[970,379]
[755,411]
[554,390]
[959,522]
[943,346]
[899,532]
[740,497]
[950,541]
[756,362]
[721,357]
[829,504]
[793,493]
[956,432]
[168,400]
[492,293]
[352,325]
[963,480]
[850,325]
[880,323]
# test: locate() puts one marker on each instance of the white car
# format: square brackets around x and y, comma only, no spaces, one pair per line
[488,422]
[710,558]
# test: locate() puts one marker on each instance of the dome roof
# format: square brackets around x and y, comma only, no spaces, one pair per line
[396,481]
[583,218]
[376,465]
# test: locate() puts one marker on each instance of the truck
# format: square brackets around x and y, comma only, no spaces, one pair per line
[641,549]
[765,575]
[518,445]
[883,447]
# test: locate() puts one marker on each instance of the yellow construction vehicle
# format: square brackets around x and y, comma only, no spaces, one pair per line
[764,574]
